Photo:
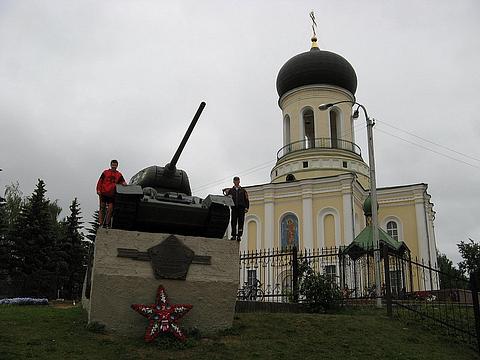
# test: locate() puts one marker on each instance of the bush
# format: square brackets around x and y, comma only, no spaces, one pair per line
[320,291]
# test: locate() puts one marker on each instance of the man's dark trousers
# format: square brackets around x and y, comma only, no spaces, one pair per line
[238,215]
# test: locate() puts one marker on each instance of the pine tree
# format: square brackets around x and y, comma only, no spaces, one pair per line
[72,253]
[34,240]
[92,230]
[91,235]
[5,250]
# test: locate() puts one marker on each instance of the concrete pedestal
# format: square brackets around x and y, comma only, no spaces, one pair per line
[118,282]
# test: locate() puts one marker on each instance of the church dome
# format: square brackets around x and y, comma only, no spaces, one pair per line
[316,67]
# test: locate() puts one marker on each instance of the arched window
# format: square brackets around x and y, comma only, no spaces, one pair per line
[334,127]
[289,231]
[392,229]
[329,230]
[286,130]
[309,128]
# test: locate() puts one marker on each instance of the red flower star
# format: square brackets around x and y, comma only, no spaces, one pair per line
[162,316]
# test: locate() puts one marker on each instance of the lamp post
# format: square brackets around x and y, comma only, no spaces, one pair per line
[373,188]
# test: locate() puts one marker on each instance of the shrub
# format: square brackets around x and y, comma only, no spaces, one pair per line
[320,292]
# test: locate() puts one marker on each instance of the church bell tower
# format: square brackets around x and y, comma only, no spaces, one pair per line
[317,143]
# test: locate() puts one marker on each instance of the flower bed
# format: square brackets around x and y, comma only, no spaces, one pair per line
[24,301]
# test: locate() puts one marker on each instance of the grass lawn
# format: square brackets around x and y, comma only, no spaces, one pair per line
[47,332]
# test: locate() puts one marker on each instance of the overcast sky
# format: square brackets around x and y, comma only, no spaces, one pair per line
[87,81]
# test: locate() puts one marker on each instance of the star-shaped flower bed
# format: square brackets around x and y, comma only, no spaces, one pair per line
[162,316]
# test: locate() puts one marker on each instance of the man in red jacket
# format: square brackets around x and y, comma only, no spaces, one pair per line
[106,191]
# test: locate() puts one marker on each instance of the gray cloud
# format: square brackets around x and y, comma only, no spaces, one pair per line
[88,81]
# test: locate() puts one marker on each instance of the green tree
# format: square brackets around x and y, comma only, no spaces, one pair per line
[91,235]
[470,252]
[74,251]
[13,204]
[450,276]
[9,210]
[33,236]
[5,246]
[92,230]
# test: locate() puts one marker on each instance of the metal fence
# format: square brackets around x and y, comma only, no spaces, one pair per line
[410,289]
[273,275]
[452,307]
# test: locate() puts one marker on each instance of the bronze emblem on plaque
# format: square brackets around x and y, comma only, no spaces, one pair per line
[170,259]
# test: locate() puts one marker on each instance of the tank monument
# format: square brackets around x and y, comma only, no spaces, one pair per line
[164,241]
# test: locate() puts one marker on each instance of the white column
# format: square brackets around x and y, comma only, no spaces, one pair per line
[421,230]
[307,207]
[433,248]
[348,229]
[269,221]
[431,236]
[422,237]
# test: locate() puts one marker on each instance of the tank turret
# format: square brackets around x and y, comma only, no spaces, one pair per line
[159,199]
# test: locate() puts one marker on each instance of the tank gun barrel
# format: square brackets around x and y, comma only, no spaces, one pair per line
[171,166]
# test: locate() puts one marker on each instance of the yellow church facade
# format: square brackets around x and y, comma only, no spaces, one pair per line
[320,180]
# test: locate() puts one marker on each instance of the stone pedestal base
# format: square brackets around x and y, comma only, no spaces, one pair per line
[118,282]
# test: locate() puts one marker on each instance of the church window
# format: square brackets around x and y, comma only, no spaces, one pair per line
[309,128]
[286,130]
[289,231]
[252,277]
[395,281]
[305,164]
[334,127]
[392,229]
[331,271]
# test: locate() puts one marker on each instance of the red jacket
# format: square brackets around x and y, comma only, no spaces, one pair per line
[108,180]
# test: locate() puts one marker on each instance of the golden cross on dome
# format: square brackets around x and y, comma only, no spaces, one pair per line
[314,24]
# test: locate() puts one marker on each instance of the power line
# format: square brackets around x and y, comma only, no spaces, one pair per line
[244,173]
[270,163]
[429,141]
[426,148]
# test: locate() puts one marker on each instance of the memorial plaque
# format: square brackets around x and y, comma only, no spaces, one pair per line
[170,259]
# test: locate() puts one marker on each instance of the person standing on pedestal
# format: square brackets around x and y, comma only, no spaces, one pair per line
[241,203]
[106,192]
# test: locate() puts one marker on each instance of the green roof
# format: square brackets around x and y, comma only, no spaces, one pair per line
[364,242]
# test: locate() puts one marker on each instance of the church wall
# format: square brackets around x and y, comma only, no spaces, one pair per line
[405,213]
[324,206]
[254,227]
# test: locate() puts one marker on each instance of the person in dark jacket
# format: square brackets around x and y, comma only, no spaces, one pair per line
[241,203]
[106,192]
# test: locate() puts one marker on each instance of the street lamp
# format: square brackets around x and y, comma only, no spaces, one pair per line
[373,187]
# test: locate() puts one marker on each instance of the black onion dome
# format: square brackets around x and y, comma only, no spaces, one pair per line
[316,67]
